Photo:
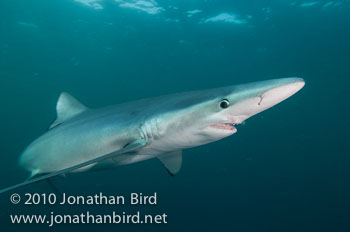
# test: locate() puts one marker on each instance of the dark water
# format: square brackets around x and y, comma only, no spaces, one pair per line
[287,169]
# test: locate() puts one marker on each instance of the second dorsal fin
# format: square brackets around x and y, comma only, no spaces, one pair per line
[67,107]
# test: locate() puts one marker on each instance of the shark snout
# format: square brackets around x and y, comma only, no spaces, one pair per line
[282,91]
[260,96]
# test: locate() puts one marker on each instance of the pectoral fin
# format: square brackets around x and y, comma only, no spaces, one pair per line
[172,161]
[130,147]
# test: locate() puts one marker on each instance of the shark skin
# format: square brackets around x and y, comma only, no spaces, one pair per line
[83,139]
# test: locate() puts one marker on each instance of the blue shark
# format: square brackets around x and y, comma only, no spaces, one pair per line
[83,139]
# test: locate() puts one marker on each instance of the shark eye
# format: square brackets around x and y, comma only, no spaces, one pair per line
[224,103]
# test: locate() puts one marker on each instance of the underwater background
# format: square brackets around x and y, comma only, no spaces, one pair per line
[286,169]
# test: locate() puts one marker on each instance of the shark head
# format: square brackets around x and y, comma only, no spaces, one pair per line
[243,101]
[206,116]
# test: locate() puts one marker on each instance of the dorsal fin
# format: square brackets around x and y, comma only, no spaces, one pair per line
[67,107]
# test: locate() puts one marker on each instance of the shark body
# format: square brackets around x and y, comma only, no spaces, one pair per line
[83,139]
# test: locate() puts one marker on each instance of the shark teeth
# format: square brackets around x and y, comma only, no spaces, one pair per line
[224,126]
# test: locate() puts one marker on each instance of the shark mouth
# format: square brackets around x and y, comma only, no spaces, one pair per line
[224,126]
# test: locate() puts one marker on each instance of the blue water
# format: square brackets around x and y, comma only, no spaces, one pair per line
[286,169]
